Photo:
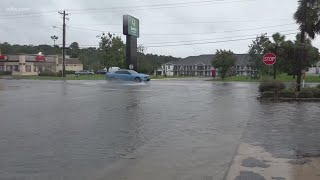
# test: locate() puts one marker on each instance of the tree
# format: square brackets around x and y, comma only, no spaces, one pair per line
[95,58]
[112,51]
[224,61]
[74,50]
[307,16]
[74,46]
[256,51]
[276,46]
[90,58]
[288,60]
[147,63]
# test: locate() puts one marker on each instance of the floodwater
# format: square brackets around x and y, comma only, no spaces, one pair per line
[162,130]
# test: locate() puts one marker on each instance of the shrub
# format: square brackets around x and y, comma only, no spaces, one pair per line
[271,85]
[70,72]
[53,74]
[267,94]
[287,93]
[318,86]
[5,73]
[305,93]
[316,92]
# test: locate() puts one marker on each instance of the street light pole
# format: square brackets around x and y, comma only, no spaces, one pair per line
[54,38]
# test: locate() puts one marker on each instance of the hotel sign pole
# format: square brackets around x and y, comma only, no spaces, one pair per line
[131,30]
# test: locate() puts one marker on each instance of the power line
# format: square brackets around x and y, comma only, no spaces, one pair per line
[28,13]
[213,22]
[155,34]
[24,15]
[183,23]
[88,29]
[155,6]
[94,10]
[196,43]
[238,30]
[213,42]
[164,23]
[173,42]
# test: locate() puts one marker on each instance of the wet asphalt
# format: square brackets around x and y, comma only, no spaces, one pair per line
[173,130]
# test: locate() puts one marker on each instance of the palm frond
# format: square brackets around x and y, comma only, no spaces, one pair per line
[308,17]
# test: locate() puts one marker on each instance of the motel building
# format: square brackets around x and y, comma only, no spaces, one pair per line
[33,64]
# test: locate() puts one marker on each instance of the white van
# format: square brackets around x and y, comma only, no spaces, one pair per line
[114,69]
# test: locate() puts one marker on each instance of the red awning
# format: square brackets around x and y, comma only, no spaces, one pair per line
[40,58]
[3,57]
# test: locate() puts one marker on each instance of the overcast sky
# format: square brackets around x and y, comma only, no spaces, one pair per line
[162,22]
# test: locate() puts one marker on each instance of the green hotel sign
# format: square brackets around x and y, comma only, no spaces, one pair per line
[131,26]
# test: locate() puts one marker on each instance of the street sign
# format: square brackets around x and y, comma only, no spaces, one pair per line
[269,59]
[131,66]
[131,26]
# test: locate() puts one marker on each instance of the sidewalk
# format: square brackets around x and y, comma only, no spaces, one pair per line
[281,142]
[254,163]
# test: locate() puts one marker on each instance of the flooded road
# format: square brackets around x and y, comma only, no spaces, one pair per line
[164,130]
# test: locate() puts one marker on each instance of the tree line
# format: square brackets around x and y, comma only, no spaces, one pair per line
[288,53]
[293,56]
[111,52]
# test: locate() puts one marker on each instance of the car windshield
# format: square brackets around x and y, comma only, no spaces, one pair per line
[160,89]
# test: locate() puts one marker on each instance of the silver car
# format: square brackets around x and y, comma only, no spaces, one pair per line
[84,72]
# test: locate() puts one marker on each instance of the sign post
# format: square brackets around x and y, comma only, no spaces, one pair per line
[131,28]
[270,59]
[303,78]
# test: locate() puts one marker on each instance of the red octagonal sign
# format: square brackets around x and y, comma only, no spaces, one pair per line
[269,59]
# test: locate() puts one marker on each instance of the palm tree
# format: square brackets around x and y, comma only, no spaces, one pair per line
[278,40]
[307,16]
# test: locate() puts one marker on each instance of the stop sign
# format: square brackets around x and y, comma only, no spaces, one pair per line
[269,59]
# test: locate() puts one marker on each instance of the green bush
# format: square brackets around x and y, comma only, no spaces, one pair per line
[287,93]
[271,85]
[267,94]
[316,92]
[5,73]
[306,93]
[52,74]
[318,86]
[70,72]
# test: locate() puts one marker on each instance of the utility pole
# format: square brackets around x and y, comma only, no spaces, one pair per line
[63,42]
[301,47]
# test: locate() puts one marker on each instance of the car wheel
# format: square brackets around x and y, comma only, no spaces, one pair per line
[137,79]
